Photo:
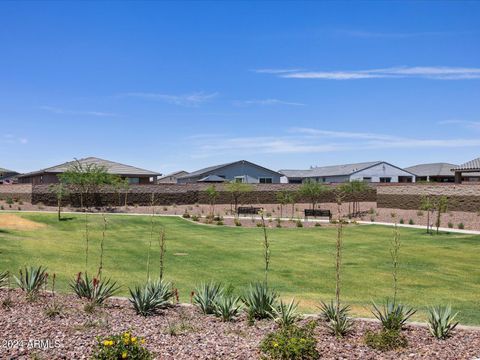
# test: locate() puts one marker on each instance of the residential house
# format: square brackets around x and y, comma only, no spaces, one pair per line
[435,172]
[239,171]
[171,178]
[374,172]
[8,176]
[469,171]
[50,175]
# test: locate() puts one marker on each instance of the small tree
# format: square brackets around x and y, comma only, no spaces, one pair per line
[284,197]
[236,190]
[61,191]
[313,191]
[441,207]
[353,189]
[426,204]
[212,194]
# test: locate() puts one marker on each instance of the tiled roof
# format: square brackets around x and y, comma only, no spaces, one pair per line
[333,170]
[434,169]
[211,169]
[473,165]
[111,166]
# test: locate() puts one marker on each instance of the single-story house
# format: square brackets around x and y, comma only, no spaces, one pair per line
[7,176]
[374,171]
[171,178]
[436,172]
[470,171]
[239,171]
[50,175]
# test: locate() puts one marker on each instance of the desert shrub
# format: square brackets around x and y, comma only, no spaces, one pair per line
[450,225]
[259,300]
[186,215]
[461,226]
[3,279]
[95,290]
[237,222]
[121,346]
[53,310]
[217,218]
[268,214]
[195,218]
[401,221]
[291,343]
[372,218]
[227,307]
[340,326]
[285,314]
[299,224]
[219,223]
[385,340]
[31,280]
[2,207]
[410,222]
[328,311]
[151,297]
[317,224]
[9,201]
[206,295]
[441,321]
[259,224]
[392,316]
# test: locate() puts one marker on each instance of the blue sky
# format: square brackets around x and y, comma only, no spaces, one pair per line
[169,86]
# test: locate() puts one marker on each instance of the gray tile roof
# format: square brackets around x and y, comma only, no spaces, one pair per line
[3,171]
[207,170]
[111,166]
[473,165]
[212,178]
[434,169]
[176,173]
[333,170]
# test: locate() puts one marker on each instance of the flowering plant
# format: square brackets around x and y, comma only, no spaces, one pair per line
[121,346]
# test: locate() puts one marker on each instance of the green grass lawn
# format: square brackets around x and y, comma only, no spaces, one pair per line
[439,269]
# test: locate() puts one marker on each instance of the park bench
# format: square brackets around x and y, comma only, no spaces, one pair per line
[318,213]
[250,210]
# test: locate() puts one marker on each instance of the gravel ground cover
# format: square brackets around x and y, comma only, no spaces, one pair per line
[181,332]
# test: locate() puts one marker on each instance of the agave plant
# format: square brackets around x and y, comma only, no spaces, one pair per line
[392,316]
[329,310]
[227,307]
[95,290]
[205,296]
[340,326]
[4,278]
[285,314]
[259,300]
[151,297]
[441,321]
[31,280]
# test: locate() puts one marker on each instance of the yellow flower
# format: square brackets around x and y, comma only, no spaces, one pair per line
[124,355]
[275,344]
[126,341]
[134,339]
[142,341]
[106,342]
[127,334]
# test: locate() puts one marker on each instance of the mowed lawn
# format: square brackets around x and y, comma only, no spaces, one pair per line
[441,269]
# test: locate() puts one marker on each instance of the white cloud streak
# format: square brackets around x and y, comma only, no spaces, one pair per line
[188,100]
[423,72]
[11,139]
[462,123]
[61,111]
[309,140]
[266,102]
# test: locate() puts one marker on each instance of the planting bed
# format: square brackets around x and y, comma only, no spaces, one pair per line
[181,332]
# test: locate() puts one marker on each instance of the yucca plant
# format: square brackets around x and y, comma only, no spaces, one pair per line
[259,300]
[205,296]
[151,297]
[227,307]
[392,316]
[95,290]
[31,280]
[285,314]
[329,310]
[3,279]
[441,321]
[340,326]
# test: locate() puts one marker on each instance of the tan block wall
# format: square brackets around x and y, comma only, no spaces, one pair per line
[16,191]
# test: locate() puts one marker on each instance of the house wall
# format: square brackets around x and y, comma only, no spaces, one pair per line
[253,173]
[381,170]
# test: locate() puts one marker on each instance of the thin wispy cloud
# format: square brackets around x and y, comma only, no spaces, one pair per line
[392,35]
[312,140]
[188,100]
[462,123]
[276,71]
[423,72]
[60,111]
[266,102]
[13,139]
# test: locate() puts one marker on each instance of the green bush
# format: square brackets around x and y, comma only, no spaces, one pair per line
[122,346]
[299,223]
[450,225]
[219,223]
[410,222]
[461,226]
[151,297]
[291,343]
[392,316]
[385,340]
[9,201]
[227,307]
[259,224]
[195,218]
[328,311]
[317,224]
[95,290]
[441,321]
[186,215]
[285,314]
[31,280]
[259,301]
[206,295]
[401,221]
[4,279]
[237,222]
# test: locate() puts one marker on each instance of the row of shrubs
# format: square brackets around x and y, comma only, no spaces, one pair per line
[258,301]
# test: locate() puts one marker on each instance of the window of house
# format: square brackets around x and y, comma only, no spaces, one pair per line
[385,179]
[367,179]
[265,180]
[133,180]
[239,179]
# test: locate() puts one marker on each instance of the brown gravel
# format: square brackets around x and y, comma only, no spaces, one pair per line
[199,337]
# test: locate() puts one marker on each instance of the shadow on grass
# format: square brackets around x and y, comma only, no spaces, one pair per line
[66,218]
